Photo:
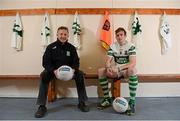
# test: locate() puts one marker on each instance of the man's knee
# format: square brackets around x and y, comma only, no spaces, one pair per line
[46,76]
[79,75]
[101,71]
[131,71]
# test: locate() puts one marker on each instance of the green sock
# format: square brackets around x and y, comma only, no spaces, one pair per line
[133,83]
[104,85]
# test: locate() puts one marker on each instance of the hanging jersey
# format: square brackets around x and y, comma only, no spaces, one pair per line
[122,53]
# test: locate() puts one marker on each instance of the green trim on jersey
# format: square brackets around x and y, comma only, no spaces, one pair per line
[132,50]
[110,52]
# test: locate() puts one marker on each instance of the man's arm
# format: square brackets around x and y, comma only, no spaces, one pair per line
[109,60]
[131,64]
[47,60]
[75,60]
[132,58]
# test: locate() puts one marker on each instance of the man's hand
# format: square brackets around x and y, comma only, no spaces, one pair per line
[55,72]
[111,72]
[73,70]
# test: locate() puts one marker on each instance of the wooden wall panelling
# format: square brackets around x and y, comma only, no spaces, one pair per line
[143,78]
[40,11]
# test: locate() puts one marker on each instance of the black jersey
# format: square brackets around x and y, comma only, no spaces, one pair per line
[58,54]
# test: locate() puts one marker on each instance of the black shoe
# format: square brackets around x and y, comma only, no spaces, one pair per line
[83,107]
[131,110]
[41,111]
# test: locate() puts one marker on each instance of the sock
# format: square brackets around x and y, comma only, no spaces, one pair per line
[104,85]
[133,83]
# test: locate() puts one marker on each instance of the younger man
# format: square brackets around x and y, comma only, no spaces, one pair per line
[120,63]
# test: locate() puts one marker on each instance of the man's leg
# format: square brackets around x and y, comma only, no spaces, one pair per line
[133,83]
[81,90]
[46,77]
[106,102]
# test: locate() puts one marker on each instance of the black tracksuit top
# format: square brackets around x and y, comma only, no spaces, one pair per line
[58,54]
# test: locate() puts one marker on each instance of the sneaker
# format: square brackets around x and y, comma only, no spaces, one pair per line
[106,102]
[41,111]
[83,107]
[131,110]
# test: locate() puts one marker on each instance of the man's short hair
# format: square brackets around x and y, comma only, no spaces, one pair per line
[120,29]
[63,28]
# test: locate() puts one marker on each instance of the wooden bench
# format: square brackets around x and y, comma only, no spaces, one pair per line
[143,78]
[52,87]
[116,88]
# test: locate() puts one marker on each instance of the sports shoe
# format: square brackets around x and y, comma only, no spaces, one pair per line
[41,111]
[83,107]
[106,102]
[131,110]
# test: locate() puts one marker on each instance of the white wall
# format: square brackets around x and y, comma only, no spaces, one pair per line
[29,88]
[149,58]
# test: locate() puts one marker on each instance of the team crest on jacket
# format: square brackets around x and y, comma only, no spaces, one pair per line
[54,47]
[68,53]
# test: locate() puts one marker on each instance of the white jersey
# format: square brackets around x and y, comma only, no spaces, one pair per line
[122,53]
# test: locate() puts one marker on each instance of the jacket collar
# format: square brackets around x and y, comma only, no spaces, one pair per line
[60,43]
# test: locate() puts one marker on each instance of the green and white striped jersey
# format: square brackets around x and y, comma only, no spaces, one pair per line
[122,53]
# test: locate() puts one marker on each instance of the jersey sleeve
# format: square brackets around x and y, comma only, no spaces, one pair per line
[132,50]
[110,52]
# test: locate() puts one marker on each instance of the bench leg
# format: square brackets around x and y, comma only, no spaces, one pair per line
[116,88]
[51,91]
